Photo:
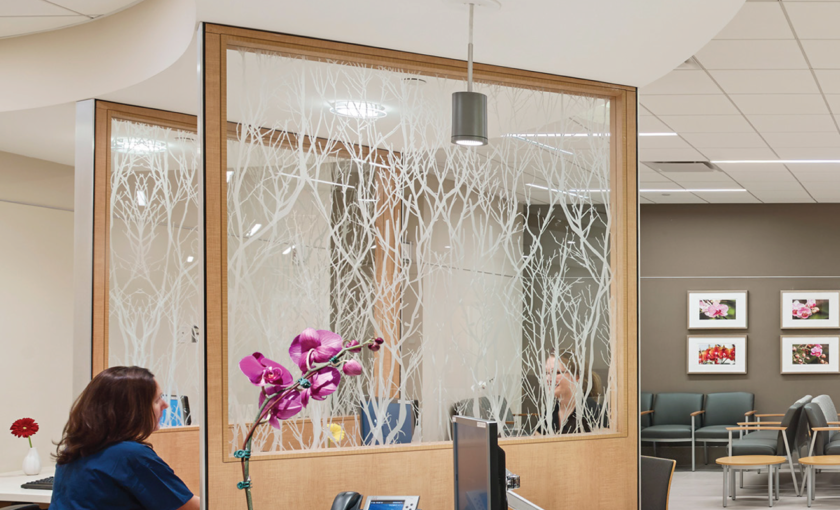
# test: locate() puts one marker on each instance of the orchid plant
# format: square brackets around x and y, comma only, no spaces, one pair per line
[319,354]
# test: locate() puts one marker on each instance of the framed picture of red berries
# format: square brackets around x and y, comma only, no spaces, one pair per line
[717,354]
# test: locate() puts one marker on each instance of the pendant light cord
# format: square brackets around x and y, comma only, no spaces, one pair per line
[470,53]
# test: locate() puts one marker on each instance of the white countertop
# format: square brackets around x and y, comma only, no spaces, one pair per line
[10,487]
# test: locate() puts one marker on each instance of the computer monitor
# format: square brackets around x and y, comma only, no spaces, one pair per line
[480,481]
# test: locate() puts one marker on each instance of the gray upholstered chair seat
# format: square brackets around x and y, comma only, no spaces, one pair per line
[754,445]
[714,432]
[667,432]
[832,448]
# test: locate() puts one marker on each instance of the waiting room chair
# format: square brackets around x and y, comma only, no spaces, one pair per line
[723,410]
[645,407]
[771,438]
[823,442]
[656,475]
[674,419]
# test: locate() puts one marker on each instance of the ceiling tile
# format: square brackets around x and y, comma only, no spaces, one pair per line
[725,140]
[826,197]
[772,185]
[737,154]
[781,104]
[650,124]
[817,176]
[31,8]
[707,104]
[670,155]
[25,25]
[662,142]
[829,186]
[825,168]
[802,140]
[766,82]
[718,54]
[823,54]
[701,179]
[757,20]
[675,198]
[652,177]
[833,102]
[790,123]
[707,123]
[729,198]
[682,81]
[780,197]
[829,80]
[643,200]
[814,20]
[643,111]
[810,153]
[780,175]
[657,186]
[96,7]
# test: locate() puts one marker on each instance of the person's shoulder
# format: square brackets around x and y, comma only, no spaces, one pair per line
[128,449]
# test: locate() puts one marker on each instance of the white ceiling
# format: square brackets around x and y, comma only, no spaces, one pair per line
[20,17]
[767,87]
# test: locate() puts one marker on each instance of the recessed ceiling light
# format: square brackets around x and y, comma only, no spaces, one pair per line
[447,247]
[229,175]
[190,259]
[358,109]
[139,145]
[777,161]
[141,198]
[288,250]
[256,228]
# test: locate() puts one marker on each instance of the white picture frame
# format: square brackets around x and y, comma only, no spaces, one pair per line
[791,347]
[825,314]
[717,309]
[716,354]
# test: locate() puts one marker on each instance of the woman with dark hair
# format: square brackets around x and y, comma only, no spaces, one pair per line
[103,460]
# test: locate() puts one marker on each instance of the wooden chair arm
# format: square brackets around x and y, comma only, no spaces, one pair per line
[645,412]
[833,422]
[770,415]
[757,428]
[697,413]
[756,424]
[825,429]
[750,413]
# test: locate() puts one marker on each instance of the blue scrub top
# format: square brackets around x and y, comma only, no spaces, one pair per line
[124,476]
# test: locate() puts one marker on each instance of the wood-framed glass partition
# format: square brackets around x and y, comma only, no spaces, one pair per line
[147,268]
[476,266]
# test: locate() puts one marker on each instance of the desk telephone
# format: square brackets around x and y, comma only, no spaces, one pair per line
[353,501]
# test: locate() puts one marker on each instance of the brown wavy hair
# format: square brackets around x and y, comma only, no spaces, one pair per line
[116,406]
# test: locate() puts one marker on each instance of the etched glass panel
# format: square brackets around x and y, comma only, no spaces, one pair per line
[477,265]
[155,259]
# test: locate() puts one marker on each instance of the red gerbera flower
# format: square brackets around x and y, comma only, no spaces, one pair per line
[24,427]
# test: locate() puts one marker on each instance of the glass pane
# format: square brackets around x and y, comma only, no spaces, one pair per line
[477,265]
[155,305]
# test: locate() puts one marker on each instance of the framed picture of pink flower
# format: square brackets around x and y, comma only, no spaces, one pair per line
[811,309]
[717,309]
[717,354]
[810,354]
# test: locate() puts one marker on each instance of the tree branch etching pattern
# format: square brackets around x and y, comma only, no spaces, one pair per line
[155,304]
[501,255]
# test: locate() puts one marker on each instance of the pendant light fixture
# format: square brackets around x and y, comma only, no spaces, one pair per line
[469,109]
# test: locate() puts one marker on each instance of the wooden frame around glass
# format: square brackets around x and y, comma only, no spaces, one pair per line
[712,339]
[179,447]
[832,340]
[833,297]
[590,461]
[735,294]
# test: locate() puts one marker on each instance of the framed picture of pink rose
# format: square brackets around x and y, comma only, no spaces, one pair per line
[717,309]
[810,355]
[811,309]
[717,354]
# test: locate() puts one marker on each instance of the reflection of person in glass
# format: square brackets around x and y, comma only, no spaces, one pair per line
[565,375]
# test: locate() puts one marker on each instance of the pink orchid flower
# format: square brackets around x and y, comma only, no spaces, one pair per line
[262,371]
[287,406]
[314,346]
[816,350]
[321,384]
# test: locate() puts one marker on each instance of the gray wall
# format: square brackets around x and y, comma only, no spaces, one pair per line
[763,248]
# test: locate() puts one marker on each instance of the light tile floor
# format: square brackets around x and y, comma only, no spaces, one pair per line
[703,489]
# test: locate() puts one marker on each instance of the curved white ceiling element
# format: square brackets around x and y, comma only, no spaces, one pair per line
[630,42]
[22,17]
[95,58]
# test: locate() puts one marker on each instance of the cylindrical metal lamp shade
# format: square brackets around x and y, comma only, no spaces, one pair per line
[469,118]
